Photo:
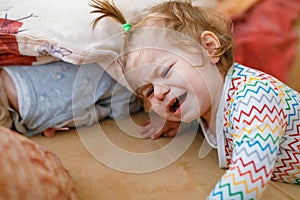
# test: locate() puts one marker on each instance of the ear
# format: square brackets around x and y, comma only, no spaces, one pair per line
[210,42]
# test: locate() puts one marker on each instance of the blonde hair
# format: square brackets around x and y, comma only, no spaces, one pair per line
[5,117]
[177,16]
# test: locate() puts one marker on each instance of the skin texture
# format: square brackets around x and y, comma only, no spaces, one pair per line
[172,73]
[10,89]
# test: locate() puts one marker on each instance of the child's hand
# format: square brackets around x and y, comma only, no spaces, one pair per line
[50,132]
[157,127]
[154,131]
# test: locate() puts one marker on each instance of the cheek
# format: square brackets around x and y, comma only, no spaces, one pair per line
[159,109]
[200,90]
[203,95]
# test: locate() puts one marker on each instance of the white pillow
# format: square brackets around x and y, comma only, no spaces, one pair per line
[49,30]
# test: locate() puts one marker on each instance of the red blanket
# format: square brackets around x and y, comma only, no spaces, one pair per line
[9,52]
[265,38]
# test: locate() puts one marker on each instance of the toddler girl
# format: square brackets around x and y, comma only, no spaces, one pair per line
[179,59]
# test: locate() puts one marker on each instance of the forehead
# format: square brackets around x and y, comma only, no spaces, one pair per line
[148,43]
[143,66]
[149,50]
[158,39]
[146,57]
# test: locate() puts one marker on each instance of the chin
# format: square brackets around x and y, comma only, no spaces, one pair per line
[189,119]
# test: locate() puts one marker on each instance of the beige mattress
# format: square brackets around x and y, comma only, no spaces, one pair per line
[187,178]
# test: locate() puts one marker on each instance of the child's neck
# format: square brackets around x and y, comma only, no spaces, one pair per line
[210,121]
[211,117]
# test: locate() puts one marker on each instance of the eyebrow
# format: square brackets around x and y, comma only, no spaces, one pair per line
[153,71]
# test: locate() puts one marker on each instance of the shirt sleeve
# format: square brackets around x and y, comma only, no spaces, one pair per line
[257,122]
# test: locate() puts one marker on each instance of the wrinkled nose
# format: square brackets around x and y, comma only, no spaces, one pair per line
[160,91]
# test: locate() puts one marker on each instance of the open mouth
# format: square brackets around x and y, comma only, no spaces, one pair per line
[177,102]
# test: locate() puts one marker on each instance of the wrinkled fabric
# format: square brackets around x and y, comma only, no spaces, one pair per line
[265,38]
[258,135]
[62,94]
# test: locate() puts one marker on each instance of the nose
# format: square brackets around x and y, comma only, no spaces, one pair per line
[160,91]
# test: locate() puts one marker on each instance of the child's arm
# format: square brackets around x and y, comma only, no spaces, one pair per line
[168,129]
[156,127]
[258,121]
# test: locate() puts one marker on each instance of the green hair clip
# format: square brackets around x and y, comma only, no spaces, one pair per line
[126,27]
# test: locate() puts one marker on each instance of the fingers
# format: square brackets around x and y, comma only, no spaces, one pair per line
[159,127]
[146,122]
[153,133]
[149,129]
[171,133]
[162,133]
[150,132]
[157,135]
[50,132]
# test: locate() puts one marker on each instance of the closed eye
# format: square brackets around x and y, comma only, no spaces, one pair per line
[146,91]
[166,71]
[149,91]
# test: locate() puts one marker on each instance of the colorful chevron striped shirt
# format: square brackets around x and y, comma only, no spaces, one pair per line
[258,134]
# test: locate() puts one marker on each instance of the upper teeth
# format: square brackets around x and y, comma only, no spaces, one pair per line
[175,101]
[174,105]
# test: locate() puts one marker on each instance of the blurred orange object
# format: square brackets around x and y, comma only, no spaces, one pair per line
[28,171]
[265,37]
[235,7]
